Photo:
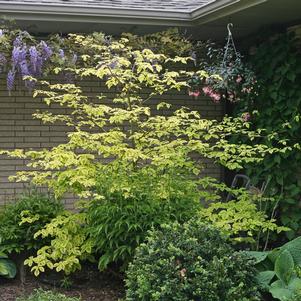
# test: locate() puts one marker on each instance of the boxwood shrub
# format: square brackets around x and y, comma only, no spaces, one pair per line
[190,262]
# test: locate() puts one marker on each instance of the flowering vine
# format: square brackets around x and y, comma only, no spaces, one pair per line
[23,56]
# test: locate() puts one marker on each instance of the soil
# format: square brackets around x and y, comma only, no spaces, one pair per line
[98,287]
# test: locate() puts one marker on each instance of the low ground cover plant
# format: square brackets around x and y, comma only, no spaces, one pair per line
[42,295]
[190,262]
[19,221]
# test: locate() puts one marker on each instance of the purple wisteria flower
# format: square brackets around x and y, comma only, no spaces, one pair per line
[46,50]
[1,33]
[10,80]
[24,68]
[17,42]
[34,56]
[15,56]
[18,55]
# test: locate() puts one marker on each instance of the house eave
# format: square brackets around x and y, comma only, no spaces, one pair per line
[92,14]
[225,8]
[78,13]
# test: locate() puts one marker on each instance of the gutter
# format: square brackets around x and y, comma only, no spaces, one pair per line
[96,14]
[214,11]
[92,14]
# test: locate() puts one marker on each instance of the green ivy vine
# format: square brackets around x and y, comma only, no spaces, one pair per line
[277,63]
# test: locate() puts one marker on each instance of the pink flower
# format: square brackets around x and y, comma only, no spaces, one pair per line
[239,79]
[194,93]
[207,90]
[215,96]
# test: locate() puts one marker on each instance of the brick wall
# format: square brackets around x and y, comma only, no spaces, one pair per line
[19,130]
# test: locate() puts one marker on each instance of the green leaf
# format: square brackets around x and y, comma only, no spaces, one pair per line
[273,255]
[282,294]
[265,278]
[7,268]
[3,255]
[284,266]
[295,285]
[294,248]
[258,256]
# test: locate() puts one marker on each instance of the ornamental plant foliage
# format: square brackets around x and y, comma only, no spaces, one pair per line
[7,267]
[126,148]
[279,271]
[21,220]
[244,219]
[190,262]
[68,247]
[119,223]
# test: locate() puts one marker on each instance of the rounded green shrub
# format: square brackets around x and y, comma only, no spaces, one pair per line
[21,220]
[190,262]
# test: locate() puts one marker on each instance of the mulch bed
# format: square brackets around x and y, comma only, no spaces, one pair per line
[99,287]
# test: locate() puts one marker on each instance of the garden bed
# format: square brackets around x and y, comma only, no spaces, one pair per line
[104,287]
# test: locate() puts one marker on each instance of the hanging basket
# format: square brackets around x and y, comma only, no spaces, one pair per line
[229,78]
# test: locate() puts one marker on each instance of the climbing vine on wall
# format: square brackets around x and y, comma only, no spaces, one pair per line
[277,109]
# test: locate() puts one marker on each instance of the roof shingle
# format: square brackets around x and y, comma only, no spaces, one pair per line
[186,6]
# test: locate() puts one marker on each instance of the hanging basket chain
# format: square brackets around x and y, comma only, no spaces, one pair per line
[230,43]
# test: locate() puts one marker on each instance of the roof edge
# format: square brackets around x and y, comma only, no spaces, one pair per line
[57,12]
[225,8]
[92,14]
